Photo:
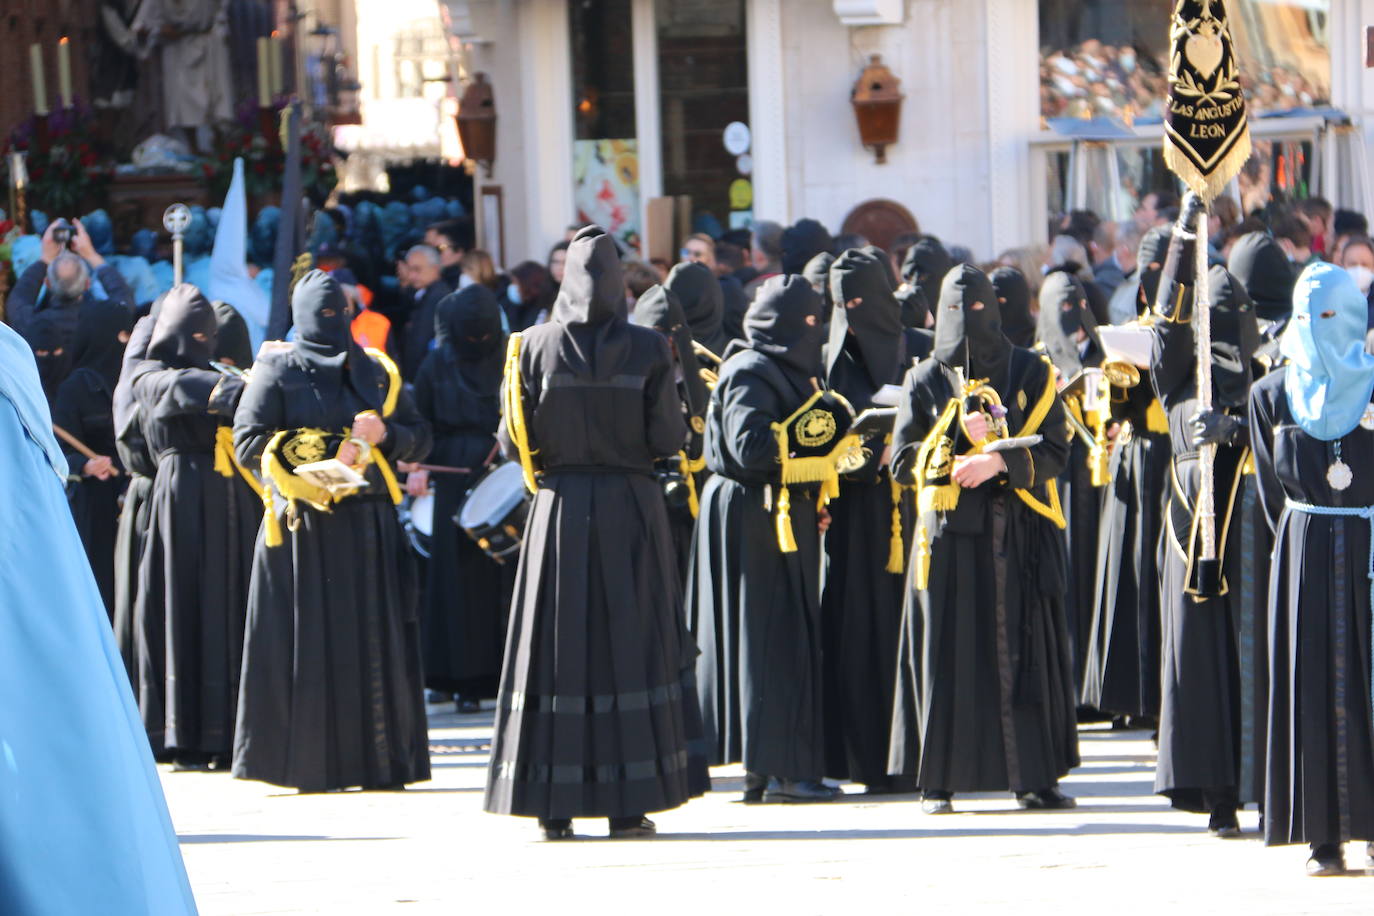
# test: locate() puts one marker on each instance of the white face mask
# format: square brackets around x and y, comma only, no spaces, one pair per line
[1363,277]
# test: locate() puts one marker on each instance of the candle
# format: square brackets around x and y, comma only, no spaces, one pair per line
[40,87]
[64,71]
[275,59]
[264,73]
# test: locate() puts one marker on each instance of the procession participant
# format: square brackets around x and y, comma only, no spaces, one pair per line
[331,695]
[861,605]
[84,826]
[1261,266]
[597,710]
[1199,765]
[193,574]
[924,269]
[1014,295]
[1121,675]
[1067,333]
[703,303]
[1310,427]
[233,344]
[753,596]
[138,463]
[985,691]
[683,474]
[51,340]
[83,407]
[467,593]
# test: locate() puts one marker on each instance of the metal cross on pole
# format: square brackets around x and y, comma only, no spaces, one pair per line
[176,220]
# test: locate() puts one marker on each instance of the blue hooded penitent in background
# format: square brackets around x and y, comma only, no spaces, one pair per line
[83,824]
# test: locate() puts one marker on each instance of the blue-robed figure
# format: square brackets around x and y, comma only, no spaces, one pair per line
[83,824]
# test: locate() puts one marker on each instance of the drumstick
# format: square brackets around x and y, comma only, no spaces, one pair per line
[77,444]
[442,469]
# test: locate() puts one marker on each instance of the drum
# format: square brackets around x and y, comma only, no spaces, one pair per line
[494,511]
[417,518]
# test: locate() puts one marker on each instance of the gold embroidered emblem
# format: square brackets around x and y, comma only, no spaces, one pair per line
[698,425]
[303,448]
[816,428]
[941,459]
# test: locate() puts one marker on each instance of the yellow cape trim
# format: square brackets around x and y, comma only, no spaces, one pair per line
[513,408]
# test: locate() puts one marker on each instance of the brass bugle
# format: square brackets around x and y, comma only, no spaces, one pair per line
[700,350]
[231,371]
[1121,374]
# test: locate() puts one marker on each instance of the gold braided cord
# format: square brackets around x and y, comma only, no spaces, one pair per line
[513,396]
[226,462]
[690,470]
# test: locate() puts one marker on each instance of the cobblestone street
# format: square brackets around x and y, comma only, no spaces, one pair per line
[253,849]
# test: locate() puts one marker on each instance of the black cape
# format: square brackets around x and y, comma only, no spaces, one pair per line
[597,709]
[193,573]
[331,694]
[861,605]
[467,593]
[755,610]
[985,688]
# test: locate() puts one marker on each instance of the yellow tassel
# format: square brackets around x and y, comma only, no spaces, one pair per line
[224,451]
[689,474]
[272,527]
[922,559]
[388,477]
[896,551]
[941,498]
[786,541]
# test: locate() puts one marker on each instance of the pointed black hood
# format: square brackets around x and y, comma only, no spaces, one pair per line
[593,290]
[801,242]
[925,266]
[185,332]
[1014,295]
[865,319]
[467,331]
[1064,311]
[1235,338]
[1262,267]
[49,337]
[98,346]
[784,321]
[660,309]
[324,338]
[234,341]
[703,303]
[968,329]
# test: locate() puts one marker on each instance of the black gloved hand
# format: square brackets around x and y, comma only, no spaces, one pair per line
[1209,427]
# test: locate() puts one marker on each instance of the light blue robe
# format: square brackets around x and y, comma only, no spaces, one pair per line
[83,824]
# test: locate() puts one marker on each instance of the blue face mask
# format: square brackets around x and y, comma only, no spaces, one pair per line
[1329,378]
[513,294]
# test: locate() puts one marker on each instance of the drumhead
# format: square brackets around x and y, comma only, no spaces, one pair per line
[422,513]
[494,496]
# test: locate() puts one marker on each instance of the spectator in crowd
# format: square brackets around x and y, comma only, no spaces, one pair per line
[427,283]
[767,254]
[1317,213]
[700,248]
[638,278]
[1344,224]
[1153,210]
[1121,305]
[452,238]
[1292,234]
[529,296]
[478,267]
[558,256]
[66,271]
[1357,257]
[1107,269]
[1081,225]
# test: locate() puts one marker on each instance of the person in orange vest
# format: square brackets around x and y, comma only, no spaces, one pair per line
[370,328]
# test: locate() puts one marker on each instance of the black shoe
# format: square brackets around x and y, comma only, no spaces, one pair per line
[800,791]
[937,802]
[556,828]
[1328,860]
[1223,823]
[632,828]
[754,784]
[191,763]
[468,706]
[1050,799]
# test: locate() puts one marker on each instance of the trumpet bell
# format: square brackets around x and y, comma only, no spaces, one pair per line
[1121,374]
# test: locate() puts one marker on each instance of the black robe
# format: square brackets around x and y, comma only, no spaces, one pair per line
[596,715]
[332,692]
[82,408]
[985,687]
[861,603]
[1121,673]
[1199,767]
[1321,747]
[467,594]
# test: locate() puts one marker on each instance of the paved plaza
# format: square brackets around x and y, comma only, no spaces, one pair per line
[253,849]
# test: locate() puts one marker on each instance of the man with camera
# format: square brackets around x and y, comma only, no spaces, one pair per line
[68,263]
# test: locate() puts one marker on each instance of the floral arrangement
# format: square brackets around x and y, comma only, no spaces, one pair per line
[264,156]
[68,166]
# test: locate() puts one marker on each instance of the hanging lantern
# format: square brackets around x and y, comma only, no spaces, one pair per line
[477,122]
[877,101]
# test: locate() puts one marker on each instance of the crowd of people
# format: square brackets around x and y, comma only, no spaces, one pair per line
[838,513]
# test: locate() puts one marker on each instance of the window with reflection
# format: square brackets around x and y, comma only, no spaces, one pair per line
[1109,58]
